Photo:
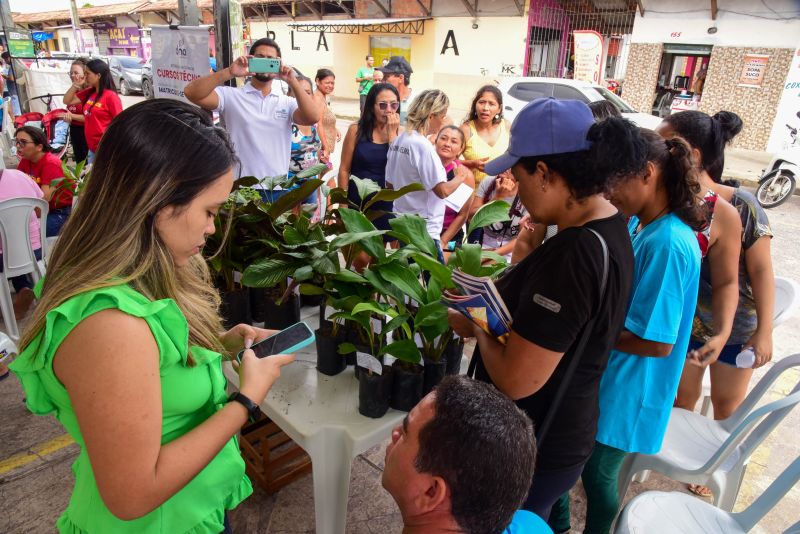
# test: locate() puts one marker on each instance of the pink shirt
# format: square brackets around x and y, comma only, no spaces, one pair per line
[16,184]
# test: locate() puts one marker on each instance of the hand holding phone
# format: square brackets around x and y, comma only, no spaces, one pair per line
[286,341]
[264,65]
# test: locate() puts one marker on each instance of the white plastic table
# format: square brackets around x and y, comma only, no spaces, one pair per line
[320,413]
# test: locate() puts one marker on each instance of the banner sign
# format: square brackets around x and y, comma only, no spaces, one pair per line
[42,36]
[123,38]
[787,118]
[237,34]
[179,57]
[20,43]
[588,56]
[753,70]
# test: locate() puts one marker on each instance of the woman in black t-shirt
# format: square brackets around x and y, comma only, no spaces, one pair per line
[563,163]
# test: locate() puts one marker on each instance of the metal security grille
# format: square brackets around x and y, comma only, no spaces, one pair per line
[550,49]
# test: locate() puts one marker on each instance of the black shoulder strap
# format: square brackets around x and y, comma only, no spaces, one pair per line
[541,430]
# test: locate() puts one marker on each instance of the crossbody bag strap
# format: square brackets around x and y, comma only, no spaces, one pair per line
[541,430]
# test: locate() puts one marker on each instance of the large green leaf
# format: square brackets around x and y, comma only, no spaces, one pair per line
[467,258]
[430,314]
[399,321]
[354,237]
[381,286]
[268,272]
[306,272]
[493,212]
[405,350]
[391,194]
[345,275]
[356,222]
[319,168]
[361,320]
[311,289]
[413,230]
[402,277]
[376,308]
[325,266]
[365,187]
[438,272]
[292,236]
[293,198]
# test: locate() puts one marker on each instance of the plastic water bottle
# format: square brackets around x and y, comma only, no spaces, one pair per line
[746,358]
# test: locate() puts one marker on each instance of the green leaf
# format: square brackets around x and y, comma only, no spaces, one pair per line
[311,289]
[413,230]
[292,236]
[493,212]
[345,275]
[319,168]
[437,271]
[325,266]
[381,286]
[404,349]
[355,222]
[397,322]
[293,198]
[392,195]
[402,277]
[365,187]
[245,181]
[267,273]
[361,320]
[354,237]
[375,308]
[346,348]
[431,314]
[306,272]
[467,258]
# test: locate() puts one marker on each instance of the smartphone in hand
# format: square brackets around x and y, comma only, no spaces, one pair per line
[266,65]
[286,341]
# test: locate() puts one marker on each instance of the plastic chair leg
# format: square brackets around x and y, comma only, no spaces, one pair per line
[7,308]
[706,408]
[332,459]
[729,490]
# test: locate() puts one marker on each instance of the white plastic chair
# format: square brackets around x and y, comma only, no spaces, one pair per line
[18,255]
[787,300]
[660,512]
[699,450]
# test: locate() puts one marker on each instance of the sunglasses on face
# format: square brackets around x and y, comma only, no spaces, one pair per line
[391,105]
[22,142]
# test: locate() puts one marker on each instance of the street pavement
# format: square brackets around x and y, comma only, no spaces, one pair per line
[36,454]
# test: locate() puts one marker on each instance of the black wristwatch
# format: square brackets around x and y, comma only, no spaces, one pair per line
[252,408]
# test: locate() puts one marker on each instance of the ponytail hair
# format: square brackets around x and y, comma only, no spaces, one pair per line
[709,135]
[679,177]
[617,150]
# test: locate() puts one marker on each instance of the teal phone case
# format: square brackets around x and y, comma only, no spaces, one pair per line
[307,341]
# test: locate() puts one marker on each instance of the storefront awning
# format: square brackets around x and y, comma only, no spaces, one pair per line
[413,26]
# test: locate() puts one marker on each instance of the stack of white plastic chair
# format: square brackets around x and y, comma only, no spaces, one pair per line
[18,255]
[699,450]
[660,512]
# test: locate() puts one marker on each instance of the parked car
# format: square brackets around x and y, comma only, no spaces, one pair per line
[517,92]
[147,80]
[127,73]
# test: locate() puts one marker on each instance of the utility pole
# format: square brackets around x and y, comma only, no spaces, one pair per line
[188,12]
[76,27]
[5,18]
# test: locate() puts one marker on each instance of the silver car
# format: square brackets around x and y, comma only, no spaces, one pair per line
[127,73]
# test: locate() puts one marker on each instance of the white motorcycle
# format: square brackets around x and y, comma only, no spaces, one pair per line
[779,179]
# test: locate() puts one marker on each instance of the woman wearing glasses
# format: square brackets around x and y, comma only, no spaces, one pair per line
[365,149]
[74,115]
[500,237]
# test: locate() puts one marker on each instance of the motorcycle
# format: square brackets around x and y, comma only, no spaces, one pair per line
[779,179]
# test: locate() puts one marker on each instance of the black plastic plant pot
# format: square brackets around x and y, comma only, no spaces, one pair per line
[311,300]
[433,374]
[258,296]
[406,386]
[452,355]
[374,391]
[329,361]
[280,316]
[235,307]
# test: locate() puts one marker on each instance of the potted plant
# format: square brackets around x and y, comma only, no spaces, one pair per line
[74,180]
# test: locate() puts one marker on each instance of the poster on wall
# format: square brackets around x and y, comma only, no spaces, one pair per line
[20,43]
[179,57]
[786,126]
[753,70]
[588,55]
[237,34]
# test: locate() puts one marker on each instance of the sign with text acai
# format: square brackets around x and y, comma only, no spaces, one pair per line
[588,55]
[179,57]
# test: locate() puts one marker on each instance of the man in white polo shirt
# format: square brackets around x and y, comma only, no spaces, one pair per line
[258,120]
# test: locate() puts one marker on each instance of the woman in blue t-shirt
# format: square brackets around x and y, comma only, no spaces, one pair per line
[639,384]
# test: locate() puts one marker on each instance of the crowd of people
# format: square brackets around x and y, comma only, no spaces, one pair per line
[635,268]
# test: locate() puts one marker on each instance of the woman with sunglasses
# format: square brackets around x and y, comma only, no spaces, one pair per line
[500,237]
[74,115]
[365,150]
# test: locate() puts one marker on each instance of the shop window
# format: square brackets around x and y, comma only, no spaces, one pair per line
[527,91]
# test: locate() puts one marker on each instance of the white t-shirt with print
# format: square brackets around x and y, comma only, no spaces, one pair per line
[413,159]
[260,128]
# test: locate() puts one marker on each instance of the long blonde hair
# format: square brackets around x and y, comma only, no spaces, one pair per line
[155,154]
[427,103]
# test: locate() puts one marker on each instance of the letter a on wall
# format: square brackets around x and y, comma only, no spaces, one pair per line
[449,42]
[322,41]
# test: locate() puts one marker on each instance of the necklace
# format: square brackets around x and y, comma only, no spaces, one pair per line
[659,214]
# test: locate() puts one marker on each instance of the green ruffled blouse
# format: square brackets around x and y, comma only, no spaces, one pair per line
[190,395]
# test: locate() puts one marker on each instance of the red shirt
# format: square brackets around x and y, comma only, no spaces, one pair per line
[76,109]
[98,114]
[43,173]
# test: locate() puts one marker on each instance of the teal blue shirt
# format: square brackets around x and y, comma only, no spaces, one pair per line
[525,522]
[637,392]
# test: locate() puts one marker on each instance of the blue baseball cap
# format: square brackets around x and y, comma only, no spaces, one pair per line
[545,126]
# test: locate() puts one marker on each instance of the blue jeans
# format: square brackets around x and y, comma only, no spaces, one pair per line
[56,219]
[90,157]
[24,281]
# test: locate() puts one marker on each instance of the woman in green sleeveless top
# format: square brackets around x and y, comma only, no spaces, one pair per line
[125,345]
